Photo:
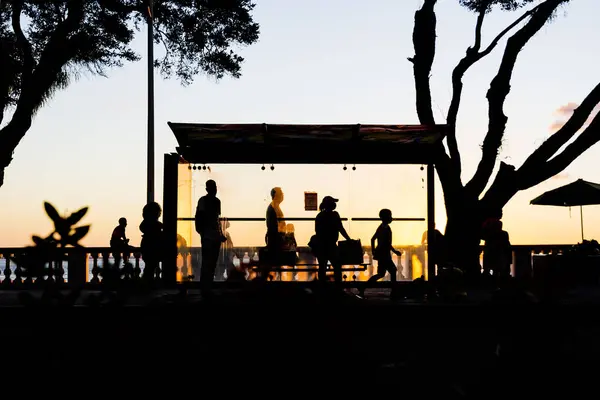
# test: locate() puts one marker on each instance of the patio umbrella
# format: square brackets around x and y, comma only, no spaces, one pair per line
[578,193]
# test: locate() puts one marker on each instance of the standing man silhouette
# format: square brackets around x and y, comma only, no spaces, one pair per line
[208,226]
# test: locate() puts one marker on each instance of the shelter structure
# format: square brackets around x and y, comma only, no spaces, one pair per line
[355,144]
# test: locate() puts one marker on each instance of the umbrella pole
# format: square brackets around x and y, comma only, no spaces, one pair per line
[581,217]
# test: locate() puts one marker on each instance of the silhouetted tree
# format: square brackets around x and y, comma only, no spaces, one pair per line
[45,43]
[466,203]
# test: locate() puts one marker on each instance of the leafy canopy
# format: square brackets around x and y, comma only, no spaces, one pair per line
[58,39]
[487,5]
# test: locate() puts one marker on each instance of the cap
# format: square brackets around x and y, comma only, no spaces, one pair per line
[329,199]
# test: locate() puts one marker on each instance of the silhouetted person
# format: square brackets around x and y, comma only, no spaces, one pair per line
[497,253]
[382,252]
[438,257]
[228,253]
[275,224]
[328,226]
[119,244]
[152,240]
[438,235]
[208,226]
[274,237]
[184,251]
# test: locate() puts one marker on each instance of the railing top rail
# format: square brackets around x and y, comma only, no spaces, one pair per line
[248,219]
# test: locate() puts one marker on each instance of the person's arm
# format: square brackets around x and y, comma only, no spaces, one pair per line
[199,218]
[342,229]
[392,249]
[375,237]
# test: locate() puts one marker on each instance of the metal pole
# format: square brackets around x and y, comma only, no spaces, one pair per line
[150,101]
[581,217]
[432,246]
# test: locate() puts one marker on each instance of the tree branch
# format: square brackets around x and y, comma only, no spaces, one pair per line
[472,56]
[424,44]
[469,59]
[118,7]
[589,137]
[55,55]
[498,91]
[22,42]
[499,37]
[543,153]
[53,58]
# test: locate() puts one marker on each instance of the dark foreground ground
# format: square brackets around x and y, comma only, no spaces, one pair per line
[287,341]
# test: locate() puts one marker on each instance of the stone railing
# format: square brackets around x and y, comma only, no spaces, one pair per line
[89,265]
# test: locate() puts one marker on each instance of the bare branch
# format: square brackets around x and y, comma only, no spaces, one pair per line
[499,89]
[457,86]
[499,37]
[543,153]
[472,56]
[424,44]
[589,137]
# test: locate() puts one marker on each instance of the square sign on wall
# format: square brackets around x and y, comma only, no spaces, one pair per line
[310,201]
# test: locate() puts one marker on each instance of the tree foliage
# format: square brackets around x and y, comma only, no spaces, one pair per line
[44,44]
[487,5]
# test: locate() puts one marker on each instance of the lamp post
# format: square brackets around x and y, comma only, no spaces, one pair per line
[150,183]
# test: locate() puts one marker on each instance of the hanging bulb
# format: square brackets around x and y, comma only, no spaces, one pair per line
[354,168]
[422,168]
[204,167]
[263,167]
[194,167]
[208,168]
[272,167]
[345,168]
[189,167]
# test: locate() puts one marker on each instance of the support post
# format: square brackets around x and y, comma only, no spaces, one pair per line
[150,167]
[581,218]
[431,245]
[169,265]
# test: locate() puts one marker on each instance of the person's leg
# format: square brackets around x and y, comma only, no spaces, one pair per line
[322,260]
[210,256]
[334,257]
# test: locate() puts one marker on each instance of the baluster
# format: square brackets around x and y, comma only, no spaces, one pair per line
[25,261]
[59,271]
[47,274]
[137,271]
[107,268]
[18,274]
[127,269]
[95,269]
[7,280]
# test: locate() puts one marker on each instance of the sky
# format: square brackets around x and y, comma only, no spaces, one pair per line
[317,61]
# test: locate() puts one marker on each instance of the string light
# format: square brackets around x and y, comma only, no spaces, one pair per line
[345,168]
[354,168]
[272,167]
[263,167]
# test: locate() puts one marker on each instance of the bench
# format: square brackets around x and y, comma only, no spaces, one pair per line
[307,267]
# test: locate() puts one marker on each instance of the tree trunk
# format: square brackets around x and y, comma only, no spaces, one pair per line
[10,136]
[463,234]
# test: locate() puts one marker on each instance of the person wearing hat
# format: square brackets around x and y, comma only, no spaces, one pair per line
[328,226]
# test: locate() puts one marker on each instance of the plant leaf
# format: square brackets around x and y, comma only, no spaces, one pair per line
[80,232]
[38,240]
[76,216]
[52,213]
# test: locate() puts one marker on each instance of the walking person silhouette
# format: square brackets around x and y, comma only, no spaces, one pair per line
[382,252]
